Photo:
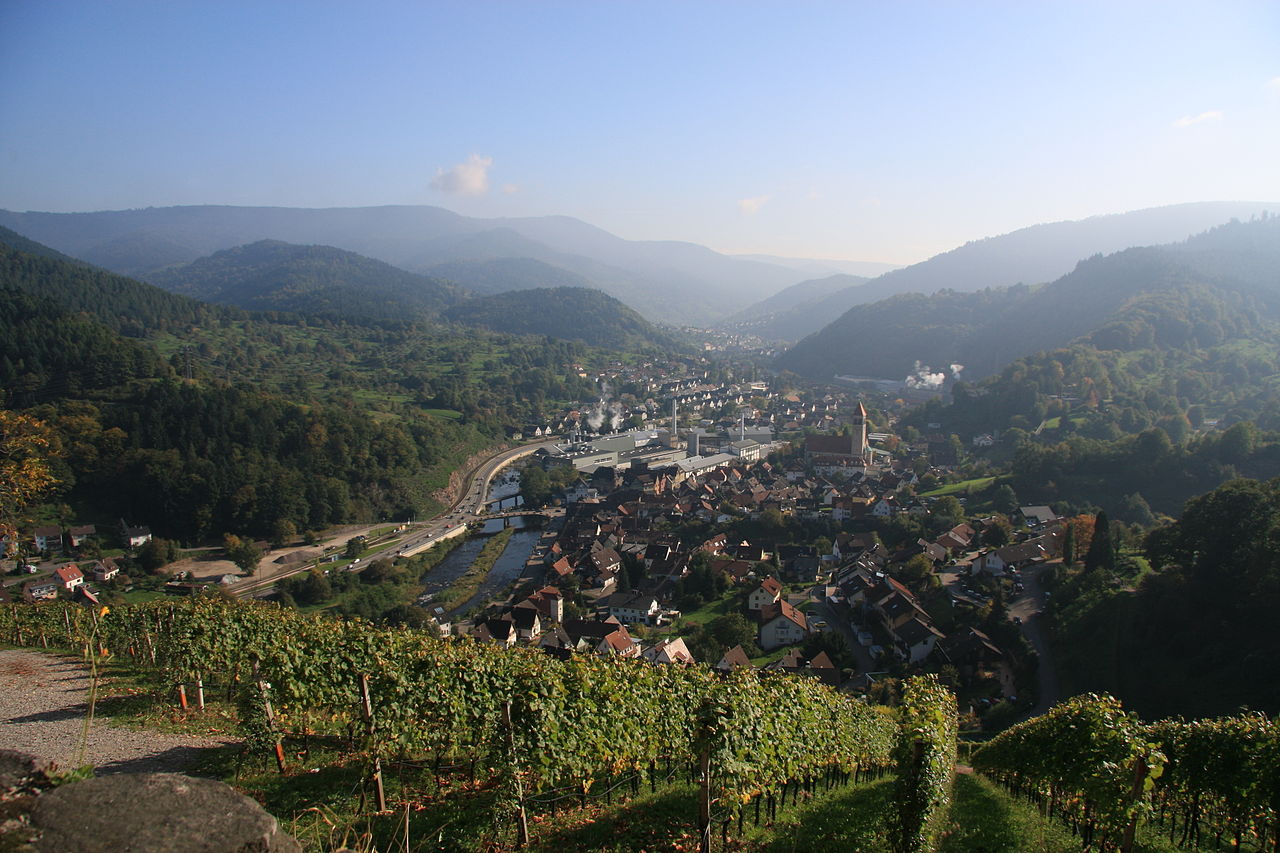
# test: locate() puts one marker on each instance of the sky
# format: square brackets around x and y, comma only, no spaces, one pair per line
[885,131]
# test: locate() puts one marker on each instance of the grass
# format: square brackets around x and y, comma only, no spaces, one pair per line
[964,487]
[730,602]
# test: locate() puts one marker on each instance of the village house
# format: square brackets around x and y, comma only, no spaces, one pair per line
[47,538]
[77,535]
[105,570]
[134,537]
[68,577]
[43,590]
[735,658]
[669,652]
[768,592]
[781,625]
[634,608]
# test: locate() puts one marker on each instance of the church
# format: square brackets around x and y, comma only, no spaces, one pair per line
[841,454]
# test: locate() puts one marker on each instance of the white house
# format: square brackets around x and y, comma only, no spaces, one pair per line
[630,608]
[768,592]
[781,625]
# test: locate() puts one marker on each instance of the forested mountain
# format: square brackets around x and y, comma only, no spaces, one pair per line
[662,279]
[127,306]
[47,352]
[570,313]
[273,276]
[1030,256]
[214,419]
[792,303]
[1212,288]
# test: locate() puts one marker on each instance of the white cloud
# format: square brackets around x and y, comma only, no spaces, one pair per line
[1274,83]
[1187,121]
[511,189]
[468,178]
[751,206]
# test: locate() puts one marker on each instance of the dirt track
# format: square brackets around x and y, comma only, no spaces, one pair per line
[43,705]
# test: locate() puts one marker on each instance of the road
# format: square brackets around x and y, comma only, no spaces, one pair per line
[1027,608]
[470,506]
[467,508]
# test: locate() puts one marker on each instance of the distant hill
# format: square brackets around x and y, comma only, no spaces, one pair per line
[663,279]
[274,276]
[1213,287]
[1031,255]
[14,240]
[570,313]
[821,267]
[793,301]
[500,275]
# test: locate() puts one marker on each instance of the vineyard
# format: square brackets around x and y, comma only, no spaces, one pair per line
[542,735]
[538,729]
[1102,771]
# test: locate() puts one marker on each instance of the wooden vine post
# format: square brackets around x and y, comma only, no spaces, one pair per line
[1135,796]
[522,819]
[270,714]
[366,704]
[704,801]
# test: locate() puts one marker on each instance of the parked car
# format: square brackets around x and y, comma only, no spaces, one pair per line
[876,652]
[819,624]
[865,638]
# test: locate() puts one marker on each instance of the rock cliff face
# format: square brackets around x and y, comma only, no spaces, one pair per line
[458,478]
[155,812]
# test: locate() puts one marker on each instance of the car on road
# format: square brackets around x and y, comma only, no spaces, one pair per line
[819,624]
[865,638]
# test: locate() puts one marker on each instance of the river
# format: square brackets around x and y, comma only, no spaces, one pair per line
[509,564]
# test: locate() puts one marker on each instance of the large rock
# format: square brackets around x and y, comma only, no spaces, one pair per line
[155,813]
[17,767]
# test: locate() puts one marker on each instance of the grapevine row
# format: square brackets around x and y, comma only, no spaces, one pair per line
[926,758]
[1223,779]
[538,722]
[1096,767]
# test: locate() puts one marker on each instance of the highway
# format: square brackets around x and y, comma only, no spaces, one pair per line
[466,509]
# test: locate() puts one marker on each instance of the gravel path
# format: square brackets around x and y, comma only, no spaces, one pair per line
[43,703]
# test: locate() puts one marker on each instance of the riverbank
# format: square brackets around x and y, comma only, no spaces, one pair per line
[470,581]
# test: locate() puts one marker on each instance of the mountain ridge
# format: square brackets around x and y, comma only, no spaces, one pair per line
[1031,255]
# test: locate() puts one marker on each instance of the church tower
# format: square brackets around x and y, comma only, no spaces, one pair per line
[858,435]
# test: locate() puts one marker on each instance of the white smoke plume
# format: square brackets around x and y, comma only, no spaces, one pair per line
[922,376]
[955,370]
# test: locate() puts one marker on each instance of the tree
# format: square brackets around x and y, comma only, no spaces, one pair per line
[948,510]
[535,486]
[156,553]
[282,532]
[1101,554]
[242,552]
[25,474]
[1005,499]
[354,546]
[998,533]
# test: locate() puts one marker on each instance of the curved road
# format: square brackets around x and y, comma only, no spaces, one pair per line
[469,507]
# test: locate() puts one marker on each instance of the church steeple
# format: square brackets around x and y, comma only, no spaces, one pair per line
[858,435]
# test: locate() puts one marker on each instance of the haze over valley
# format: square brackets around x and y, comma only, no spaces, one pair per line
[482,427]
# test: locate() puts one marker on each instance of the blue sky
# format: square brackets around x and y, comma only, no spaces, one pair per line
[868,131]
